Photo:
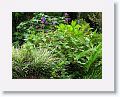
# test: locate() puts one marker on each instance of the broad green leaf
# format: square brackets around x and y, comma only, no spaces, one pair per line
[83,53]
[73,23]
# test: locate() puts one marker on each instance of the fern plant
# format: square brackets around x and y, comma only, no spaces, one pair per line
[94,56]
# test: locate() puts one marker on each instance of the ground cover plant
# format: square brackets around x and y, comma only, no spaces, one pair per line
[58,45]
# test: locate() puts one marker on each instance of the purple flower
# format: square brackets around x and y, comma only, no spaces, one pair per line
[42,22]
[36,26]
[66,14]
[43,19]
[46,23]
[66,19]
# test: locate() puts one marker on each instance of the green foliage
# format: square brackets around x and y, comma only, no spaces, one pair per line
[93,56]
[66,51]
[29,62]
[36,25]
[76,46]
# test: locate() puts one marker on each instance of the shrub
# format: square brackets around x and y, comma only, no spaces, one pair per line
[78,48]
[39,23]
[29,62]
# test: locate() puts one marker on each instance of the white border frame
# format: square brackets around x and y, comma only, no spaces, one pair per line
[104,84]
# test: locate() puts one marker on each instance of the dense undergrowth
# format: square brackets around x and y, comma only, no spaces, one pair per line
[51,48]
